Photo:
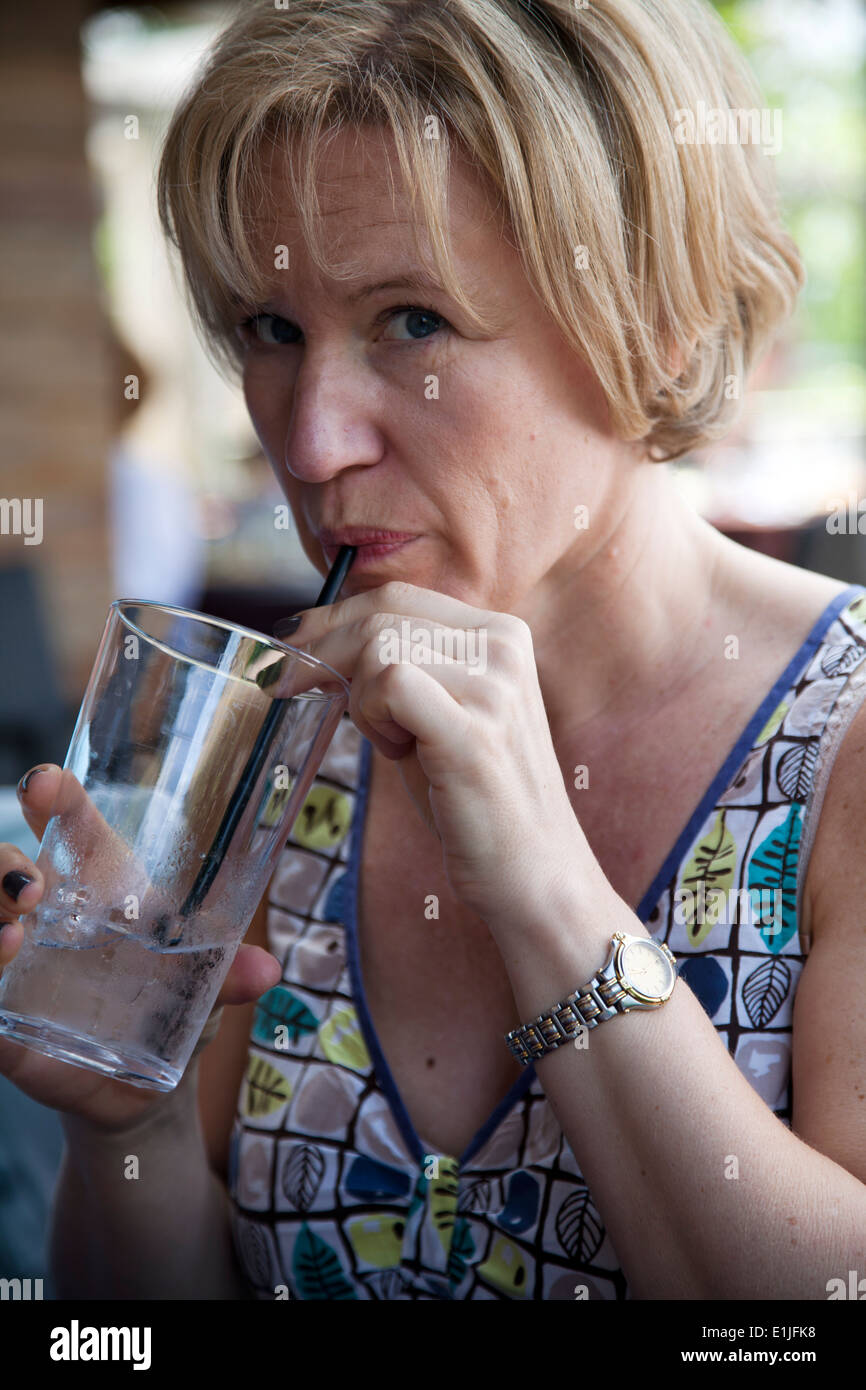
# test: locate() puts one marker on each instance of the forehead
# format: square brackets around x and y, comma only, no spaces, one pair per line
[362,200]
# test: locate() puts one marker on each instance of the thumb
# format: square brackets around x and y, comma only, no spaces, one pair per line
[37,792]
[47,791]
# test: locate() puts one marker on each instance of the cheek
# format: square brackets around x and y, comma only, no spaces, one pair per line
[268,401]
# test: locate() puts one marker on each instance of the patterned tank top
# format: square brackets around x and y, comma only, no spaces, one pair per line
[333,1193]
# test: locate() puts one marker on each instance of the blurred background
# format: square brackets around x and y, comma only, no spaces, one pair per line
[130,468]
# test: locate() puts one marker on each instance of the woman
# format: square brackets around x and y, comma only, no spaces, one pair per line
[483,392]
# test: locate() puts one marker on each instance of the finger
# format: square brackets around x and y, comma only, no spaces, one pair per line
[396,597]
[11,937]
[21,883]
[331,687]
[393,738]
[393,638]
[37,791]
[53,791]
[253,971]
[302,672]
[406,695]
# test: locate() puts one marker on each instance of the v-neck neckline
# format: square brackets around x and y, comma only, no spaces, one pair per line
[720,782]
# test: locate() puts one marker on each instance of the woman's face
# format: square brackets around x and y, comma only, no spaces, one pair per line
[385,408]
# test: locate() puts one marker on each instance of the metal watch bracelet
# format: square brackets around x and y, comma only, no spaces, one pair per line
[599,999]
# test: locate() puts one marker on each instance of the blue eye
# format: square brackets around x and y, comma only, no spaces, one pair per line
[270,329]
[414,312]
[274,331]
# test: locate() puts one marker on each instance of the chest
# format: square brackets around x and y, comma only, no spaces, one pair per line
[438,993]
[439,996]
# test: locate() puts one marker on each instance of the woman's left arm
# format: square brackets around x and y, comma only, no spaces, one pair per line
[655,1108]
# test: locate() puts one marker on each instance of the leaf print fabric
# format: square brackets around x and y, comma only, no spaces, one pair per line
[334,1195]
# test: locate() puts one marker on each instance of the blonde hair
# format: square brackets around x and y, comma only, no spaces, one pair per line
[638,243]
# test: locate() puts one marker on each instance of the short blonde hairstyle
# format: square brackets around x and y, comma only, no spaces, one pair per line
[637,242]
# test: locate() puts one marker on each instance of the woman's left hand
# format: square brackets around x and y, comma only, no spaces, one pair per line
[471,735]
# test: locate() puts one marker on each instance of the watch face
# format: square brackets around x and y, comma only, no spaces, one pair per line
[647,970]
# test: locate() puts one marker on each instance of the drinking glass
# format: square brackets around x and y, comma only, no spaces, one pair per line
[184,776]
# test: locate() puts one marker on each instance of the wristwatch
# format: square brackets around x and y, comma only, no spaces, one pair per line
[639,973]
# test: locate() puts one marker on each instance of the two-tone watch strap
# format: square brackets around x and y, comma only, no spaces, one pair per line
[588,1006]
[601,998]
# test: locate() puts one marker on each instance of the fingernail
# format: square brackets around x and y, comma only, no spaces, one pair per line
[286,626]
[22,785]
[270,674]
[14,882]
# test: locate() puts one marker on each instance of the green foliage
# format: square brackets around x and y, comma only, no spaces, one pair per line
[820,172]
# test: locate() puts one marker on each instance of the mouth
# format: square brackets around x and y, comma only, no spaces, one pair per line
[373,546]
[370,553]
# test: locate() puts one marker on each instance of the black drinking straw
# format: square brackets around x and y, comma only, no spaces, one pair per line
[250,774]
[339,569]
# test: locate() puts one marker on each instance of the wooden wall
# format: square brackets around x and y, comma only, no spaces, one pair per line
[56,355]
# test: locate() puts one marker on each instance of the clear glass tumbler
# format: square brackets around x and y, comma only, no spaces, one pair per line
[183,779]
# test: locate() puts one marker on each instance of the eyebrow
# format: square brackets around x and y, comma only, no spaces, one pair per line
[414,281]
[406,282]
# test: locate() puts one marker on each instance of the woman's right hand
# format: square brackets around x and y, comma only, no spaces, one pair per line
[108,1104]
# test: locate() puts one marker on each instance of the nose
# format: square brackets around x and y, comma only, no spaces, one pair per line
[331,425]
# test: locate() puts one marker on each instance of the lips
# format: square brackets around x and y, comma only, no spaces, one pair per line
[362,535]
[367,556]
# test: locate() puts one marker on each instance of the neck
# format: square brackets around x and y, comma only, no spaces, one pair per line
[618,628]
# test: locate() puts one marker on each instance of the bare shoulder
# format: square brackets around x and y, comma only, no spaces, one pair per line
[829,1027]
[780,601]
[835,883]
[794,601]
[783,603]
[828,1064]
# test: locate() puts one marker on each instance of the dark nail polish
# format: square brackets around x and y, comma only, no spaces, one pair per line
[14,882]
[23,784]
[286,626]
